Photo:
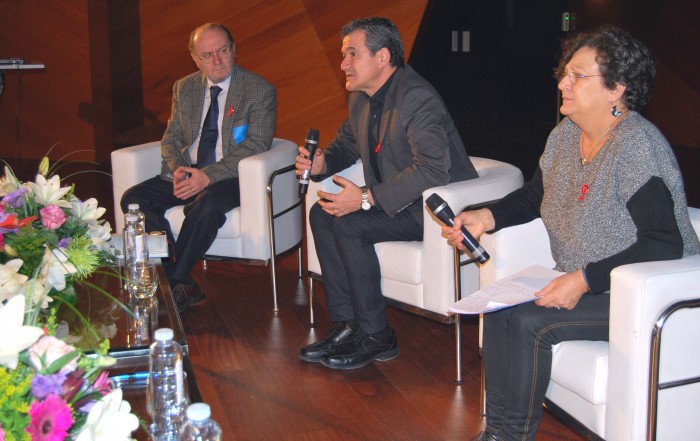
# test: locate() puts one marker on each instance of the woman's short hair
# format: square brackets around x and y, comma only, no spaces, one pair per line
[622,59]
[379,32]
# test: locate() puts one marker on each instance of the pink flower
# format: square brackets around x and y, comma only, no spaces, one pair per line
[52,217]
[49,349]
[50,419]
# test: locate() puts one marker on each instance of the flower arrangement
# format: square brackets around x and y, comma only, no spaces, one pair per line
[49,390]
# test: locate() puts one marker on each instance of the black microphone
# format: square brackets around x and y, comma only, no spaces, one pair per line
[442,211]
[311,144]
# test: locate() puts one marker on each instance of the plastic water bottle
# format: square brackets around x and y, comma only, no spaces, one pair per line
[134,209]
[135,247]
[166,390]
[199,425]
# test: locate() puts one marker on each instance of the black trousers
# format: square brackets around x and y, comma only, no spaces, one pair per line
[351,275]
[205,213]
[517,351]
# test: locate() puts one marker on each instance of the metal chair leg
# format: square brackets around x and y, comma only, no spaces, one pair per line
[273,275]
[458,349]
[482,394]
[312,323]
[299,274]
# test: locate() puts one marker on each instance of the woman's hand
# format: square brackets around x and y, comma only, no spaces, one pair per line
[563,292]
[476,221]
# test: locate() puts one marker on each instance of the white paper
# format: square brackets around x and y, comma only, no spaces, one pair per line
[510,291]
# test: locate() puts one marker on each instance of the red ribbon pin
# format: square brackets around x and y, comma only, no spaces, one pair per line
[230,111]
[584,190]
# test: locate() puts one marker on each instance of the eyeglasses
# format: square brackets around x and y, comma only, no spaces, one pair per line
[208,57]
[574,77]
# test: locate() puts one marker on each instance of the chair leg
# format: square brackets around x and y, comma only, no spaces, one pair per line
[482,394]
[273,275]
[312,323]
[458,349]
[299,274]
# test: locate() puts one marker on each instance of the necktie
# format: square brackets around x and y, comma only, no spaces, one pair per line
[206,153]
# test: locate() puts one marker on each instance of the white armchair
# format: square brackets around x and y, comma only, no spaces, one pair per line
[268,185]
[419,276]
[634,387]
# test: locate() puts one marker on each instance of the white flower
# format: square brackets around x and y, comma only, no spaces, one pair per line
[55,266]
[87,212]
[38,292]
[47,192]
[100,235]
[14,336]
[8,183]
[110,419]
[10,281]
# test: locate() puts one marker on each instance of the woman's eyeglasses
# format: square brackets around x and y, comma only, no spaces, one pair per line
[574,77]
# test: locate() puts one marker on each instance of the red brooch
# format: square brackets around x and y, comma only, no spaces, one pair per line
[584,190]
[230,111]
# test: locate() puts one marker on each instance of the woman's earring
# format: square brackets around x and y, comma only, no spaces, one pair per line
[615,112]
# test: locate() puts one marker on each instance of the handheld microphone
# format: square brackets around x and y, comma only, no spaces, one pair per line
[311,144]
[442,211]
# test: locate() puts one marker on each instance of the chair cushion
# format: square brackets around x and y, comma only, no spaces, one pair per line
[230,230]
[401,261]
[582,367]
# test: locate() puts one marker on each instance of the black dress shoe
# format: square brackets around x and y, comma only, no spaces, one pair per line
[485,436]
[341,332]
[361,351]
[186,295]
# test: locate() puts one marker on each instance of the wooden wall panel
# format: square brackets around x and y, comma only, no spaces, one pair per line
[295,44]
[52,105]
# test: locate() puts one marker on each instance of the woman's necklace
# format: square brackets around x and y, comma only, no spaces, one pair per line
[585,160]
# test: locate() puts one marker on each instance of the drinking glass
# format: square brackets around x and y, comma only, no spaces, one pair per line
[142,280]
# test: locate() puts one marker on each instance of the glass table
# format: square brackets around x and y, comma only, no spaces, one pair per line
[129,324]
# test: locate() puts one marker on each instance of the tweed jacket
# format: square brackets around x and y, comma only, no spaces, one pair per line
[420,145]
[253,101]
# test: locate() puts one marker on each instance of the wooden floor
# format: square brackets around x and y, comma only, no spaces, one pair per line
[246,364]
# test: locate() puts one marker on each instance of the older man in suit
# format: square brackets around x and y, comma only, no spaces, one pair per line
[220,115]
[400,128]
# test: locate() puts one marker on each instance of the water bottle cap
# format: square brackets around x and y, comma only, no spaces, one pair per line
[131,218]
[164,334]
[198,412]
[133,207]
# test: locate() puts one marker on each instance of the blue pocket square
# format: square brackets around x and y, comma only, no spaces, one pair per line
[239,133]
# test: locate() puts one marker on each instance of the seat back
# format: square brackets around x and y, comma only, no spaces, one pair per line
[246,232]
[605,385]
[421,274]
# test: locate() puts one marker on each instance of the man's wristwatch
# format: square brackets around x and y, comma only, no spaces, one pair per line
[365,199]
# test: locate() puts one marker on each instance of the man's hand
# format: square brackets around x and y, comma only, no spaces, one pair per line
[303,163]
[188,182]
[348,200]
[563,292]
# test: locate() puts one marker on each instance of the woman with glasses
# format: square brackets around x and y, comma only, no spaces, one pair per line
[603,167]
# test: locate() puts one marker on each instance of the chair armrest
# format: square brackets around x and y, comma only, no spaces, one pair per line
[130,166]
[513,249]
[254,173]
[640,293]
[355,174]
[496,179]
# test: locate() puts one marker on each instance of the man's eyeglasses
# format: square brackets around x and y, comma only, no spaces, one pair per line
[208,57]
[574,77]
